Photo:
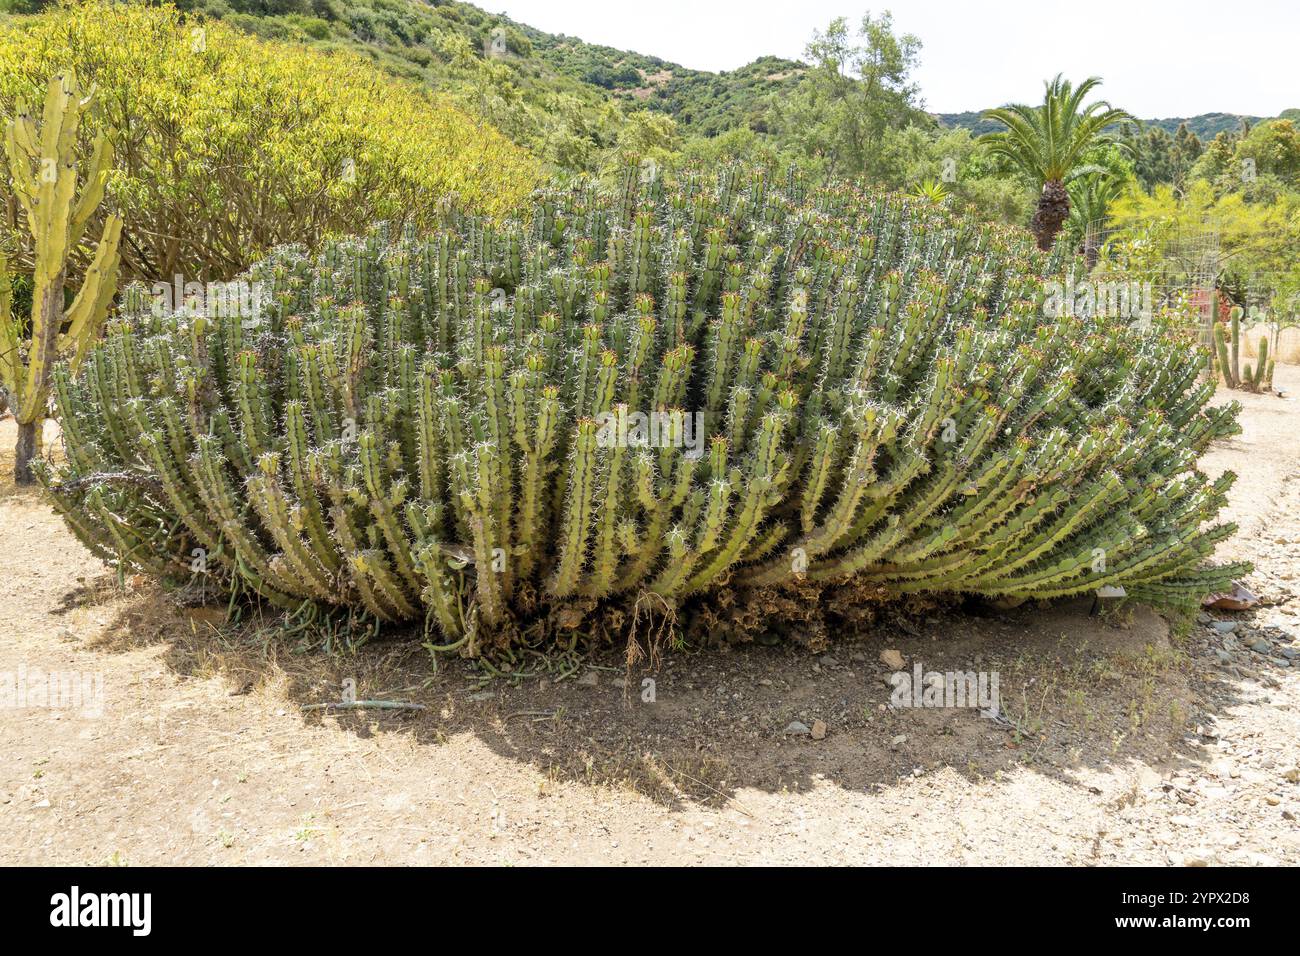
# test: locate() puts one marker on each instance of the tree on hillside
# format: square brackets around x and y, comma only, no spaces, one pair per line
[1275,148]
[1161,159]
[852,95]
[1218,158]
[1187,150]
[1152,156]
[1262,164]
[1048,144]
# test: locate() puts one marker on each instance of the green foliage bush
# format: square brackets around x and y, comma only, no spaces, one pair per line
[417,426]
[228,146]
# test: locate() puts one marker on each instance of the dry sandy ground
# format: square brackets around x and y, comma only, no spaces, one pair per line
[1123,741]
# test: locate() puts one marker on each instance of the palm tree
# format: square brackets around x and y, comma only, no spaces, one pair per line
[1048,144]
[1091,197]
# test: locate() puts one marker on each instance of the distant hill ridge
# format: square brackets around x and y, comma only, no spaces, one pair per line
[1206,126]
[409,38]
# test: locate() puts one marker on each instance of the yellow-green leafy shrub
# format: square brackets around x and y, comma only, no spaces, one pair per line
[228,145]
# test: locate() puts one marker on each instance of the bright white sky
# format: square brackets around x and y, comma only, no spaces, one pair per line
[1158,58]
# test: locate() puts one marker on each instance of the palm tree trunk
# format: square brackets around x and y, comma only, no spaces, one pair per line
[1053,209]
[1091,252]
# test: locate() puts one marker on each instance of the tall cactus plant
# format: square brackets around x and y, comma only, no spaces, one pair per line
[58,204]
[1227,350]
[641,398]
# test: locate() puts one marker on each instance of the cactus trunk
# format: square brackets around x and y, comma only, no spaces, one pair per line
[24,453]
[44,169]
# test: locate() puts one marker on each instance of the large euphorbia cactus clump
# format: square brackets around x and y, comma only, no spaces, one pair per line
[841,389]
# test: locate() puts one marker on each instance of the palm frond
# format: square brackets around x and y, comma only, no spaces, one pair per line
[1047,142]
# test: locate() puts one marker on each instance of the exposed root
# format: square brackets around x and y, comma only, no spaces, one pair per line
[653,606]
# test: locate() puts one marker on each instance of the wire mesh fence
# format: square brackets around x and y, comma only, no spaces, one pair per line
[1177,271]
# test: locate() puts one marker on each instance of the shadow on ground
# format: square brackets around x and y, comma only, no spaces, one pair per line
[1077,690]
